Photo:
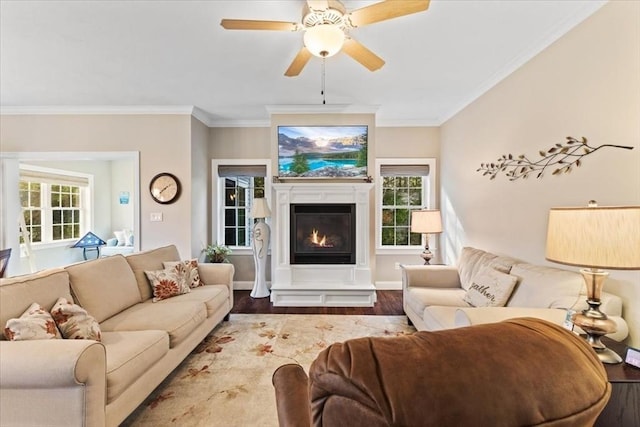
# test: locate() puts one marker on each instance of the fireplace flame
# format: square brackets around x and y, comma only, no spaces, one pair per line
[317,241]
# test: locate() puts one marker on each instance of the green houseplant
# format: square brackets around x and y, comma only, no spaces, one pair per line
[216,253]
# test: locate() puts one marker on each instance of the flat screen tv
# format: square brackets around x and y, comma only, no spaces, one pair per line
[322,151]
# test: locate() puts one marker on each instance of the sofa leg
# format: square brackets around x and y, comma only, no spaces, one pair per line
[409,322]
[227,317]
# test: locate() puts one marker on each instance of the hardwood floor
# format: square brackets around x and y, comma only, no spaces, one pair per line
[389,304]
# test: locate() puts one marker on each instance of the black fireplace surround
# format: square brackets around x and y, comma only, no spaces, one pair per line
[322,234]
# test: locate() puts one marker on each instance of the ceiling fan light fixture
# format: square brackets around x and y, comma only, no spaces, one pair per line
[324,40]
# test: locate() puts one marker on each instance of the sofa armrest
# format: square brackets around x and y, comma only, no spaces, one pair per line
[292,396]
[216,273]
[221,273]
[430,276]
[49,375]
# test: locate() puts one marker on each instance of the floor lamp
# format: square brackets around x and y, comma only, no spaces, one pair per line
[260,244]
[426,221]
[595,238]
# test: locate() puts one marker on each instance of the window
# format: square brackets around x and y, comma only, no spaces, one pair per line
[403,185]
[237,184]
[54,204]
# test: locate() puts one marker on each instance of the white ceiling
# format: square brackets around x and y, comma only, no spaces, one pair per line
[96,56]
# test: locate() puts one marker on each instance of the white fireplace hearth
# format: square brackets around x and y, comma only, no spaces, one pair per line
[321,285]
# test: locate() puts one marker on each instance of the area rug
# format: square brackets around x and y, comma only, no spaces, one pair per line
[226,380]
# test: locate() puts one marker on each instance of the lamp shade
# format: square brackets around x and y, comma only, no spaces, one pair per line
[426,221]
[605,237]
[260,208]
[324,40]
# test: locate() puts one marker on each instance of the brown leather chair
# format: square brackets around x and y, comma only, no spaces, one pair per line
[520,372]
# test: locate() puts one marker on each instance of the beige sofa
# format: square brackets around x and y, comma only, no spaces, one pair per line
[433,296]
[90,383]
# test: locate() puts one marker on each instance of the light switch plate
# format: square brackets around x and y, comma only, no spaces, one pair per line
[155,216]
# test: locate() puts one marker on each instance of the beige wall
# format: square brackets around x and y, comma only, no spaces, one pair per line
[585,84]
[162,140]
[200,188]
[409,142]
[239,143]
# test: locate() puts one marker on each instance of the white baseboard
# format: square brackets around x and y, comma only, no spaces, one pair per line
[388,286]
[244,285]
[381,286]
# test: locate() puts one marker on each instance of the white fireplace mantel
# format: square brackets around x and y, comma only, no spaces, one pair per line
[320,285]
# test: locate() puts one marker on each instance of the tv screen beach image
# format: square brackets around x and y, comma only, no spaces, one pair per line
[322,151]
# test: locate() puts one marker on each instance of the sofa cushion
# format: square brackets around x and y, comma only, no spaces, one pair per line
[35,323]
[420,298]
[104,286]
[469,264]
[178,319]
[74,322]
[129,355]
[490,288]
[167,283]
[503,264]
[213,296]
[439,317]
[18,293]
[150,261]
[545,287]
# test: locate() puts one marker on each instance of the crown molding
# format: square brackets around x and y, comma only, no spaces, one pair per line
[96,110]
[406,123]
[209,120]
[240,123]
[322,109]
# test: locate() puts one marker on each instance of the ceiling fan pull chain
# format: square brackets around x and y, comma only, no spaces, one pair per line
[322,86]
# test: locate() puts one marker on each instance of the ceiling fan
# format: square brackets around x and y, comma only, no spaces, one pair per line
[326,25]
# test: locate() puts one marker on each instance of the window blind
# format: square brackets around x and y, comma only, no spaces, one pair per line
[404,170]
[242,170]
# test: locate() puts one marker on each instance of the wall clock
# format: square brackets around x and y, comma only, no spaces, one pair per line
[165,188]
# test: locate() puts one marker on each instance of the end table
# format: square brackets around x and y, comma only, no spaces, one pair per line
[623,409]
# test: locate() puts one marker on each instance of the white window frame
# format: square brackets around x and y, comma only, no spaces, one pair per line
[428,196]
[218,194]
[86,205]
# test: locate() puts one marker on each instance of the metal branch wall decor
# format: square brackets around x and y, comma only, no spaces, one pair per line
[564,157]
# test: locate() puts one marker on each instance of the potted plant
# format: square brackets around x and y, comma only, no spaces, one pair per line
[216,253]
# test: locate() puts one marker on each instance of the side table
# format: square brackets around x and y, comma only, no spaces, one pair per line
[623,409]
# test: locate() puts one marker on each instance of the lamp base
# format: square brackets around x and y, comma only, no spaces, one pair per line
[594,322]
[426,255]
[261,236]
[608,356]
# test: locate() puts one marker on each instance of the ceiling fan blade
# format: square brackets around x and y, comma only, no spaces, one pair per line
[298,63]
[363,55]
[385,10]
[247,24]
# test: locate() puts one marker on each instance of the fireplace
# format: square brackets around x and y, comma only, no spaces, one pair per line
[322,233]
[306,274]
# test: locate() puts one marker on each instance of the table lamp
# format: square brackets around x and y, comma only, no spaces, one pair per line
[427,222]
[260,243]
[595,237]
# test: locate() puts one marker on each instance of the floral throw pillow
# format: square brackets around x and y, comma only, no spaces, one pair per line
[490,288]
[74,322]
[167,283]
[189,269]
[34,324]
